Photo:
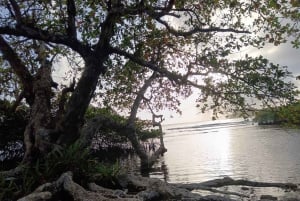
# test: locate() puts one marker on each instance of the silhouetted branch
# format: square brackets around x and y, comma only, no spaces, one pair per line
[46,36]
[18,101]
[71,9]
[140,97]
[16,10]
[63,99]
[197,30]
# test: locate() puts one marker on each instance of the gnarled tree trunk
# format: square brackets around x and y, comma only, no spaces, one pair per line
[37,92]
[70,124]
[36,135]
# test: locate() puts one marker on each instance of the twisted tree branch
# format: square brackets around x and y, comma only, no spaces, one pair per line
[46,36]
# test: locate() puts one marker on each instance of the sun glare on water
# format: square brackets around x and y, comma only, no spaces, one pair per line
[210,154]
[220,143]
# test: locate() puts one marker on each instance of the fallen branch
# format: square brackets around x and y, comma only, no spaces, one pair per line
[155,189]
[205,188]
[227,181]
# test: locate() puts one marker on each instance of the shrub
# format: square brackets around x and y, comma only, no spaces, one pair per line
[73,158]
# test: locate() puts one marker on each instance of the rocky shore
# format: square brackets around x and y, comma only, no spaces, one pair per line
[137,188]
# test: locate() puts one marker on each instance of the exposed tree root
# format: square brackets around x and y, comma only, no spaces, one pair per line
[139,188]
[136,188]
[66,187]
[12,173]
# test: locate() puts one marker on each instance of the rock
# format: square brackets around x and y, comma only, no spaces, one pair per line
[217,198]
[245,188]
[290,196]
[111,193]
[37,196]
[291,199]
[149,195]
[267,198]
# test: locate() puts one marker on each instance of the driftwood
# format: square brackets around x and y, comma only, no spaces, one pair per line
[155,189]
[227,181]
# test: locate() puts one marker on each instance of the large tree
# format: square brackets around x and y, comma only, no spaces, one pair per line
[181,44]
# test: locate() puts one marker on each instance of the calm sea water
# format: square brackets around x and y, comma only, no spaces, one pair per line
[199,152]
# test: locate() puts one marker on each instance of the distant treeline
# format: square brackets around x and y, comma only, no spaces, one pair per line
[285,115]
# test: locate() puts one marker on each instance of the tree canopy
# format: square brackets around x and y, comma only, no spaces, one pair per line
[141,54]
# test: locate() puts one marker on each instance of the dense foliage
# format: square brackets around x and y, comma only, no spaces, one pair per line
[291,114]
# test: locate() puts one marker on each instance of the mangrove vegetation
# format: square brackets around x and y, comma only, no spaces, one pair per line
[74,76]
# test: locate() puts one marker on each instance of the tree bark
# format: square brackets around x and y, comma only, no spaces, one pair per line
[37,135]
[79,101]
[72,121]
[37,91]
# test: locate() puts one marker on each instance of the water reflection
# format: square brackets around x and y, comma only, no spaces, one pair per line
[159,170]
[221,143]
[199,153]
